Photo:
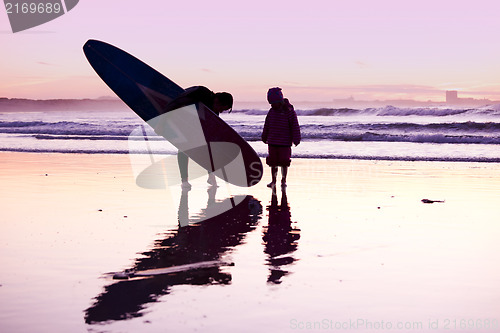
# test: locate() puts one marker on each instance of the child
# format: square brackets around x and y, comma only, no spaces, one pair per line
[281,129]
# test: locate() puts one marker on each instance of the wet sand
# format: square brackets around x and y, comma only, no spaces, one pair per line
[349,246]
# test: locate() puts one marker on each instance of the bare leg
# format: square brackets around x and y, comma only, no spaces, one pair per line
[211,179]
[274,173]
[182,161]
[284,172]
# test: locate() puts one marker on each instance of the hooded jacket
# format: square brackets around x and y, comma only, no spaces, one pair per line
[281,127]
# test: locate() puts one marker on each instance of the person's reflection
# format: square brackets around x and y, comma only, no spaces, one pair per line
[183,212]
[197,240]
[280,238]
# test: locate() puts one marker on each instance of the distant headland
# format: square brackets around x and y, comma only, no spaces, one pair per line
[113,103]
[22,104]
[452,100]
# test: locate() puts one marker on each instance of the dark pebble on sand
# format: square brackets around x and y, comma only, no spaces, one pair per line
[427,201]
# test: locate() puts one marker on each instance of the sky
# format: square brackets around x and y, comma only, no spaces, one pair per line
[316,50]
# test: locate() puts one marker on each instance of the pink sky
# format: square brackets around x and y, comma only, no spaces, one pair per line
[314,50]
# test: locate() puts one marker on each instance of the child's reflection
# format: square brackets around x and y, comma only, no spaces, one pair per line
[280,238]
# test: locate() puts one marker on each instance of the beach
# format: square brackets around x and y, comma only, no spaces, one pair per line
[349,246]
[388,221]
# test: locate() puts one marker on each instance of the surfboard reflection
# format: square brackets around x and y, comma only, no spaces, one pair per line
[191,254]
[280,238]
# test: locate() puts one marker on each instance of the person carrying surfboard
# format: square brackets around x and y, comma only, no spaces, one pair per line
[217,102]
[281,130]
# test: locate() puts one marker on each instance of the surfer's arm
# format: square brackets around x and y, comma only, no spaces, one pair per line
[200,94]
[295,127]
[192,95]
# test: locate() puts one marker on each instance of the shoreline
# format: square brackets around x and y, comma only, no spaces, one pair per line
[486,160]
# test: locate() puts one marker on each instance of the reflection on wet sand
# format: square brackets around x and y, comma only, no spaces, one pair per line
[280,238]
[200,243]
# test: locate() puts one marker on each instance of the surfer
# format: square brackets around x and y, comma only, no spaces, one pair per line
[281,129]
[217,102]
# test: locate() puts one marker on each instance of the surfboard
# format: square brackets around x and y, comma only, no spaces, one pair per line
[170,270]
[194,129]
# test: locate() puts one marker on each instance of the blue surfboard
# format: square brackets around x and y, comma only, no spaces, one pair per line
[193,129]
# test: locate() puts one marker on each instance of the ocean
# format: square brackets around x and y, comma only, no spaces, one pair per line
[384,133]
